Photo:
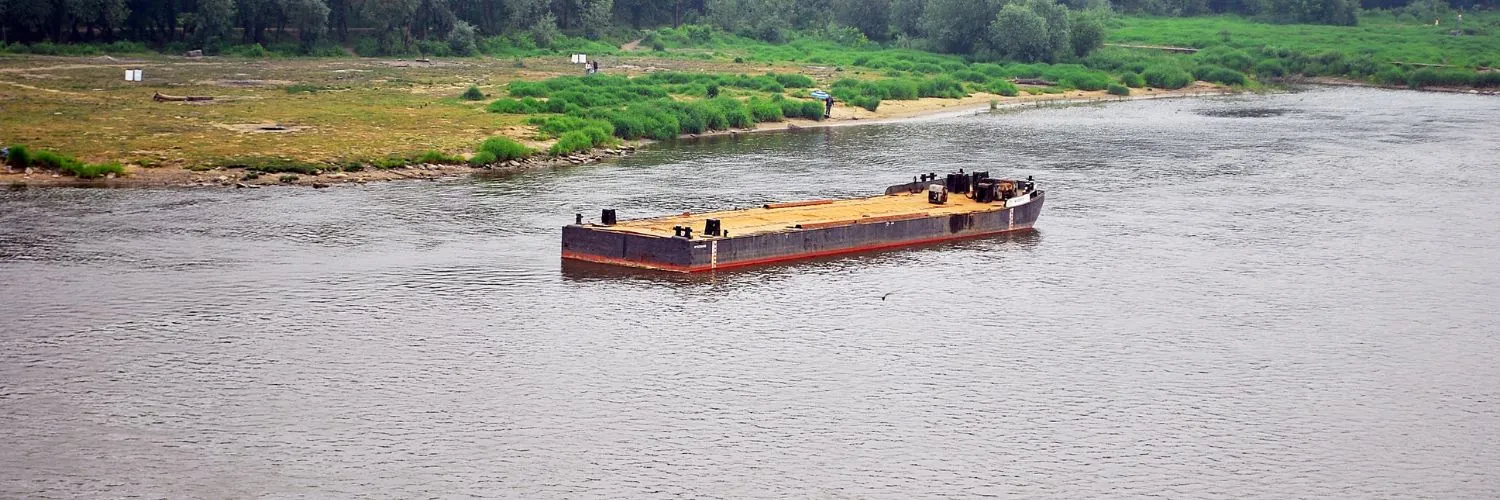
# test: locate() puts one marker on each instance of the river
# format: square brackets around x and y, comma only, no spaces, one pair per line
[1291,295]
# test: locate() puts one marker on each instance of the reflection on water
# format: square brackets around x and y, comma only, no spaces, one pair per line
[1266,296]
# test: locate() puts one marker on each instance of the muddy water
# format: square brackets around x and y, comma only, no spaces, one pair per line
[1272,296]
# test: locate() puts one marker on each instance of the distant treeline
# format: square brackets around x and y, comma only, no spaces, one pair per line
[1019,29]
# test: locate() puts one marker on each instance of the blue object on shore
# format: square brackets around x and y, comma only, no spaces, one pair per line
[818,94]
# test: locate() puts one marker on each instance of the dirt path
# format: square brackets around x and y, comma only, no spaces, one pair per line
[633,46]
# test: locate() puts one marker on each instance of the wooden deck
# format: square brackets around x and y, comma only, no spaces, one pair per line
[744,222]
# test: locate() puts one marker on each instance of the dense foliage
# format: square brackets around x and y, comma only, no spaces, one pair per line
[1022,29]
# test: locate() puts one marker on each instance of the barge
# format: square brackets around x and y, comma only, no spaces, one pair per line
[927,210]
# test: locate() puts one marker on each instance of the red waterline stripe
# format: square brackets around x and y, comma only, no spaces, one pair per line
[780,258]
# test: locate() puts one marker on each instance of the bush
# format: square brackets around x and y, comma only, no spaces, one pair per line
[18,157]
[1133,80]
[94,170]
[812,110]
[288,178]
[572,142]
[1390,76]
[1219,74]
[438,158]
[734,112]
[1167,77]
[482,158]
[870,103]
[1087,81]
[1271,68]
[461,39]
[1428,77]
[764,111]
[1002,87]
[472,94]
[792,81]
[503,149]
[1117,89]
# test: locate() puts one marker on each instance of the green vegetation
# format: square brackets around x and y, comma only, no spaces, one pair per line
[496,149]
[472,94]
[438,158]
[270,165]
[1117,89]
[20,157]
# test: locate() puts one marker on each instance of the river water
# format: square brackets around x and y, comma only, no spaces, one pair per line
[1291,295]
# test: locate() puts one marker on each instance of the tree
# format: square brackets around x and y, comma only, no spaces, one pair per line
[461,39]
[1087,30]
[309,18]
[595,16]
[957,26]
[871,17]
[1020,33]
[906,16]
[215,22]
[1059,32]
[392,16]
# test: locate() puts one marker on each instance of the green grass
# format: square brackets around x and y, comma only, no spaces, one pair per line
[269,165]
[438,158]
[1380,37]
[20,157]
[495,149]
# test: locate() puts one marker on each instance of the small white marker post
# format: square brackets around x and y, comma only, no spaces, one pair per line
[132,75]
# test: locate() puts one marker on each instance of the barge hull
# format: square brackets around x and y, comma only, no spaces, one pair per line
[669,253]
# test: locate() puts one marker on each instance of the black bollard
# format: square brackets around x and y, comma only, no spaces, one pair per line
[578,219]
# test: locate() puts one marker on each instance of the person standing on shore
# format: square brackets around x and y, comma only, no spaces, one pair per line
[828,107]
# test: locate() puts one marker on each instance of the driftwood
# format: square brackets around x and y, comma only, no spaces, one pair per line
[1033,81]
[160,97]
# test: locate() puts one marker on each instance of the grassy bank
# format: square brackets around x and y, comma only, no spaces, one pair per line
[1384,48]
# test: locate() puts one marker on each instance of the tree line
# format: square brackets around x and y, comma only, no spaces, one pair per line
[1033,30]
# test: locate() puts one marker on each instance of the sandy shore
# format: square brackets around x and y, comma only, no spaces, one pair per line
[888,112]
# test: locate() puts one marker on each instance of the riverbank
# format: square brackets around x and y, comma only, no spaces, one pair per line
[147,174]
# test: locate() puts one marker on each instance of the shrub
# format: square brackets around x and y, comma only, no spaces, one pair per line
[1167,77]
[1002,87]
[18,156]
[1390,76]
[482,158]
[1117,89]
[438,158]
[1087,81]
[93,170]
[288,178]
[1270,68]
[50,160]
[764,111]
[461,39]
[503,149]
[472,94]
[870,103]
[734,112]
[792,81]
[1426,77]
[1219,74]
[802,109]
[571,142]
[1133,80]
